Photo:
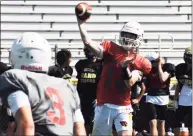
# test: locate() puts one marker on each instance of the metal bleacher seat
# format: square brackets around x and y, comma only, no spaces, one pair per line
[22,17]
[56,21]
[93,27]
[65,10]
[106,7]
[74,37]
[97,10]
[58,16]
[105,3]
[148,3]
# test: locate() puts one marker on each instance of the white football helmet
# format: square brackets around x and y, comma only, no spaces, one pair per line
[152,56]
[31,52]
[131,36]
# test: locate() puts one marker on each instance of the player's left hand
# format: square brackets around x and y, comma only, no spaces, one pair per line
[11,128]
[135,101]
[160,61]
[127,61]
[138,74]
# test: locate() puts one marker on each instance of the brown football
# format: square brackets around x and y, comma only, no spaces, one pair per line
[83,11]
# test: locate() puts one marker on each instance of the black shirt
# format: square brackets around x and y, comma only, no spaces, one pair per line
[57,71]
[88,75]
[184,74]
[154,85]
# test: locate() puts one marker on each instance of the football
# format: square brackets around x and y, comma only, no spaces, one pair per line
[83,11]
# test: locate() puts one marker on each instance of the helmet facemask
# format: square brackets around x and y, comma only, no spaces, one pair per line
[130,41]
[188,58]
[188,55]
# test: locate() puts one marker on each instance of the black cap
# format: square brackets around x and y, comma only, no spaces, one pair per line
[3,67]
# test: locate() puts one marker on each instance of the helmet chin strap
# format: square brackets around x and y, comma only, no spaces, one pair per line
[131,49]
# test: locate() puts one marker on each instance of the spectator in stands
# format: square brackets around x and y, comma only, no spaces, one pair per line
[88,74]
[183,92]
[62,69]
[157,99]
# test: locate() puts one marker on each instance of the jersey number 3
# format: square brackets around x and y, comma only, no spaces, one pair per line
[58,105]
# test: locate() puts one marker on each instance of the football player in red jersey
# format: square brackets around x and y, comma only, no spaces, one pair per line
[123,66]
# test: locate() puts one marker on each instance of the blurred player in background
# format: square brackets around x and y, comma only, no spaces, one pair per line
[88,75]
[41,105]
[62,69]
[122,67]
[183,94]
[157,99]
[6,119]
[137,93]
[3,67]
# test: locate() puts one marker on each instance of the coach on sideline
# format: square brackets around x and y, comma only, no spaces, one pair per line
[62,68]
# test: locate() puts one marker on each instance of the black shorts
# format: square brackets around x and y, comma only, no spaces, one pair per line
[183,114]
[88,113]
[156,111]
[136,115]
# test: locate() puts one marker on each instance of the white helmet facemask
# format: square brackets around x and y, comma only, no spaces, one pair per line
[31,52]
[131,36]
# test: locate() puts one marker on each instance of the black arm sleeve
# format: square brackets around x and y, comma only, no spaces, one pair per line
[77,66]
[51,71]
[126,73]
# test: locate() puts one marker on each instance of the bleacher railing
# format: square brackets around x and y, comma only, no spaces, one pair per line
[78,47]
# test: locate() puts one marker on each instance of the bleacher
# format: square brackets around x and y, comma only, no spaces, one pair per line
[166,23]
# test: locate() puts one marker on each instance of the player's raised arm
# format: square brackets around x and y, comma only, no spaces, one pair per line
[82,11]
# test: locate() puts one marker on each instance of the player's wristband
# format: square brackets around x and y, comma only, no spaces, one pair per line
[127,73]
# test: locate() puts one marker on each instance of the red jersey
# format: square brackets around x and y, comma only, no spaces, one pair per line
[112,82]
[153,77]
